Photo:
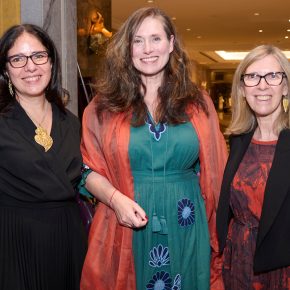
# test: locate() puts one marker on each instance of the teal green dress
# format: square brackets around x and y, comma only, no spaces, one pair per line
[173,250]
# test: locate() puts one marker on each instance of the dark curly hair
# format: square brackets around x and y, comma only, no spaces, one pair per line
[54,90]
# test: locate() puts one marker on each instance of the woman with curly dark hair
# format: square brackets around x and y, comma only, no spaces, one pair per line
[42,239]
[154,158]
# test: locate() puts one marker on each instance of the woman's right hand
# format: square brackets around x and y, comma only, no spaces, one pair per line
[128,212]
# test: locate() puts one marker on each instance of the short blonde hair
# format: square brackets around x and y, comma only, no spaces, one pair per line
[243,118]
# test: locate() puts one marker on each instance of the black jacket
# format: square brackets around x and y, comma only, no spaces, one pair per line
[273,241]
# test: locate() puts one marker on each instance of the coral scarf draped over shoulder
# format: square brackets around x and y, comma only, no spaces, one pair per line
[109,264]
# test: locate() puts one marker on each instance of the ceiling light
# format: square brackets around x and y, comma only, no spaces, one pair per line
[188,29]
[150,1]
[227,55]
[286,37]
[198,37]
[239,55]
[173,18]
[288,30]
[260,30]
[256,13]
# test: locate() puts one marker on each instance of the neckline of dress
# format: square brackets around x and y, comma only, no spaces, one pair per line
[159,224]
[261,142]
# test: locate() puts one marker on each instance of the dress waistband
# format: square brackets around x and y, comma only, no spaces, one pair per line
[8,201]
[172,175]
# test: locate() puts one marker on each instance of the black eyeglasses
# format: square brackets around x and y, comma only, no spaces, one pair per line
[271,78]
[38,58]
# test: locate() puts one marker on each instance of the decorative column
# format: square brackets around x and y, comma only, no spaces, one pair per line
[9,14]
[58,18]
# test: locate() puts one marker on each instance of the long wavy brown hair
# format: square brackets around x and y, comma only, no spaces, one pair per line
[119,89]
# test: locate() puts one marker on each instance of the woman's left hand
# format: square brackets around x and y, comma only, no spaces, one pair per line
[128,212]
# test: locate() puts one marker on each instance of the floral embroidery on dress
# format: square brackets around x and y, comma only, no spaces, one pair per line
[186,216]
[159,256]
[177,283]
[155,129]
[160,281]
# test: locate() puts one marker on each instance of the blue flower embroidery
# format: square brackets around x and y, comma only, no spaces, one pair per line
[177,283]
[159,256]
[157,129]
[185,213]
[160,281]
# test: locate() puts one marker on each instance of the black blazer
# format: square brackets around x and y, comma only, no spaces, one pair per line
[273,241]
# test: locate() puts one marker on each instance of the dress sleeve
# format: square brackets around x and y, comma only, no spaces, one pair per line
[86,170]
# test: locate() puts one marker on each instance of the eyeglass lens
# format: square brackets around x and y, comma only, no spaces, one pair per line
[37,58]
[272,79]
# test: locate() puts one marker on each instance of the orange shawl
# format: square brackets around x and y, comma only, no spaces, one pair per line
[109,264]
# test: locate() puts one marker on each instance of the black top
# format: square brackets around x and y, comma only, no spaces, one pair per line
[27,172]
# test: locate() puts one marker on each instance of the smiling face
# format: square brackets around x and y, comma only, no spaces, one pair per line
[30,80]
[263,99]
[151,48]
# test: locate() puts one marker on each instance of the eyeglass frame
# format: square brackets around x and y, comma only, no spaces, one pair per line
[27,57]
[264,77]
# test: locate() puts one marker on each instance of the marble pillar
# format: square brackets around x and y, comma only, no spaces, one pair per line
[58,18]
[9,14]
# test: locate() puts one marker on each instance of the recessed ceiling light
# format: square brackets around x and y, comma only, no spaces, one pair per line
[173,18]
[198,37]
[188,29]
[260,30]
[286,37]
[256,13]
[288,30]
[239,55]
[150,1]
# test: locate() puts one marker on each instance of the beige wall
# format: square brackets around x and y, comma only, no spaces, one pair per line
[9,14]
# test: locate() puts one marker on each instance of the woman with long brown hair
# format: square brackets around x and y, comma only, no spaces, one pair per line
[154,158]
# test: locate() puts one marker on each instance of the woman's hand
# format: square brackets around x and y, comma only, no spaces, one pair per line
[128,212]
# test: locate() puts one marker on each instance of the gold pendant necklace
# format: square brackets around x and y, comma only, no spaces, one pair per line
[41,136]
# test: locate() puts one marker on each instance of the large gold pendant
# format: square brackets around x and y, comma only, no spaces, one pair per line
[42,138]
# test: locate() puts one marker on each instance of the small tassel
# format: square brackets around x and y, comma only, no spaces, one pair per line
[156,226]
[164,229]
[285,103]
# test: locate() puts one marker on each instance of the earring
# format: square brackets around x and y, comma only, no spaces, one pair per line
[285,103]
[10,87]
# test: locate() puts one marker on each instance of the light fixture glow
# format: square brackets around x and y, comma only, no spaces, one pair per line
[256,13]
[239,55]
[260,30]
[286,37]
[230,55]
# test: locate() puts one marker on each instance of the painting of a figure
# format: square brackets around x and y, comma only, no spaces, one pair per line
[94,31]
